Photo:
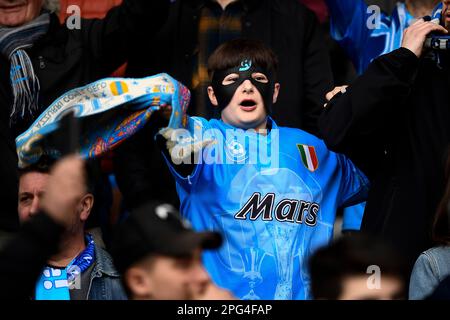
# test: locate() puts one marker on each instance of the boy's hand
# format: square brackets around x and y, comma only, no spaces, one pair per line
[181,146]
[335,91]
[414,37]
[65,188]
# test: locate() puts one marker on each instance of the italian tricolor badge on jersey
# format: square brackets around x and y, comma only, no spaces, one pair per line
[309,157]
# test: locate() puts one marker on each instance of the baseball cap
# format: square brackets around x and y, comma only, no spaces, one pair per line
[157,228]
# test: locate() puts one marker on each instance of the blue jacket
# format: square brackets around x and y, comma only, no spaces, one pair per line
[105,281]
[363,34]
[431,268]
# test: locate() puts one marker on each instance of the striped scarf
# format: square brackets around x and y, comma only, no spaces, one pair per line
[24,82]
[112,109]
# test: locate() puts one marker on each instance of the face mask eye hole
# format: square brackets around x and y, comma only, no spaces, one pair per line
[230,79]
[260,77]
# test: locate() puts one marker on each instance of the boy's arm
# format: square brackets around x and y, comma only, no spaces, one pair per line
[187,165]
[136,162]
[182,143]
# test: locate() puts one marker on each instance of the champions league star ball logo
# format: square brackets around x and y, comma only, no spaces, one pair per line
[235,151]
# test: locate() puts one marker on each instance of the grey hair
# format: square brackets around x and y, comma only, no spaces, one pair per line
[52,5]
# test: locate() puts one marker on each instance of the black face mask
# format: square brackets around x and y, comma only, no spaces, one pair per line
[224,93]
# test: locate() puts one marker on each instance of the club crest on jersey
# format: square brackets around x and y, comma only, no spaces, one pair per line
[235,151]
[308,156]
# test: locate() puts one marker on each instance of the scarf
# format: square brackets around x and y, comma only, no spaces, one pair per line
[24,82]
[112,109]
[54,284]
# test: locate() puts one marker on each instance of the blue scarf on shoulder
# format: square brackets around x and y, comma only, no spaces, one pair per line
[55,283]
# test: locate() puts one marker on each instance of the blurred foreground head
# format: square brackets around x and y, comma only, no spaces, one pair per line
[358,267]
[33,181]
[159,255]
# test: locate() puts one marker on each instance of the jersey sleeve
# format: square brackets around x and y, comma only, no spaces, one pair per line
[353,216]
[354,185]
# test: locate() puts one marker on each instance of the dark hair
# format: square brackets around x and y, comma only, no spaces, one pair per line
[46,163]
[441,224]
[348,256]
[230,54]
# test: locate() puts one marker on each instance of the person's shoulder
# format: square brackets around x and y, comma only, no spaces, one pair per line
[437,253]
[104,262]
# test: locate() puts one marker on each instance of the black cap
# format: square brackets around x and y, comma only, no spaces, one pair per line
[156,228]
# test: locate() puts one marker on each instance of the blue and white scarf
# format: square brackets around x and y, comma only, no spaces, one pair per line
[24,82]
[114,108]
[54,284]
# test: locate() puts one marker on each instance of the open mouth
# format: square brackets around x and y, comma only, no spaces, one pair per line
[248,105]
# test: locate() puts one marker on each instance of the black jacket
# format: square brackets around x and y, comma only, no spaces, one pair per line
[286,26]
[65,59]
[394,121]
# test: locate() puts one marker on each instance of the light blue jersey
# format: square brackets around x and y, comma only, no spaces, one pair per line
[364,34]
[273,211]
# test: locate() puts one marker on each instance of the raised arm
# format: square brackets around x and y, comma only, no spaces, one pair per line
[112,39]
[361,119]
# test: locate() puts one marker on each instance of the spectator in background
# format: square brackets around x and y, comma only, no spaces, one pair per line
[357,267]
[43,59]
[356,29]
[86,267]
[195,28]
[159,256]
[22,259]
[394,123]
[433,265]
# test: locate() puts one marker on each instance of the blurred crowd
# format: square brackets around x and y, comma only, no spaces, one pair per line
[102,191]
